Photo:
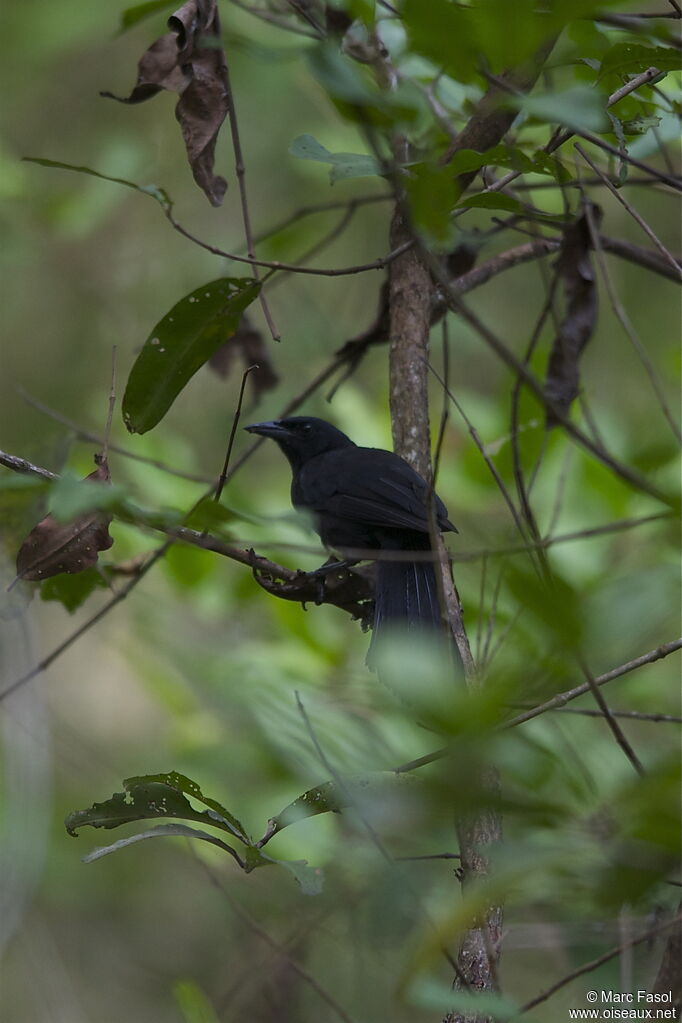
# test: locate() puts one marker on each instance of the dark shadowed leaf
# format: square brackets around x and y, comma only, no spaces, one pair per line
[182,783]
[53,547]
[189,60]
[249,344]
[71,591]
[152,796]
[574,267]
[180,344]
[343,165]
[632,58]
[580,108]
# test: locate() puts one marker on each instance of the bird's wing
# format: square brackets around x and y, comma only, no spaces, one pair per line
[372,486]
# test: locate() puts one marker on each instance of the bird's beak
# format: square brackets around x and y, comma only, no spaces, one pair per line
[273,428]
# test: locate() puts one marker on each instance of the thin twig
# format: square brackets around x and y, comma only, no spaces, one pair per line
[246,919]
[593,965]
[87,625]
[625,323]
[632,211]
[230,444]
[377,264]
[319,246]
[240,169]
[616,730]
[326,763]
[674,182]
[510,359]
[517,464]
[481,447]
[572,694]
[432,856]
[23,466]
[95,438]
[112,402]
[632,715]
[272,19]
[557,701]
[321,207]
[560,136]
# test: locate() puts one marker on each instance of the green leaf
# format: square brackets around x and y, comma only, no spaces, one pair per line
[162,831]
[332,797]
[432,192]
[14,481]
[341,76]
[71,497]
[343,165]
[633,58]
[311,879]
[211,516]
[182,783]
[132,15]
[497,201]
[71,591]
[193,1003]
[153,796]
[179,345]
[580,108]
[154,191]
[445,33]
[640,125]
[430,994]
[466,160]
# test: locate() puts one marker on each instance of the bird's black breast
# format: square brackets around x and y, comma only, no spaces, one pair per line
[366,498]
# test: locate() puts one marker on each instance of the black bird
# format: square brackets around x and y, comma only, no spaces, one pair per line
[365,499]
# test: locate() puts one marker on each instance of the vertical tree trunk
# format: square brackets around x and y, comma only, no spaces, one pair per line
[411,293]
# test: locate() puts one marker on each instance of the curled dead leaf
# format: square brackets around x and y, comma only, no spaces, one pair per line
[189,60]
[574,266]
[248,343]
[53,547]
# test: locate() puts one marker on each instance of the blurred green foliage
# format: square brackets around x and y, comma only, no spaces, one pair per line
[199,671]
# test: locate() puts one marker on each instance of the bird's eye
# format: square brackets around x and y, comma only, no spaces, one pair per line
[306,427]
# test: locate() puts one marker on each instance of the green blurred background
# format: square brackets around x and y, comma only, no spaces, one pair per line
[197,671]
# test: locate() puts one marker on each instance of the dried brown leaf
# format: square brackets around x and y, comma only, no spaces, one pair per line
[574,266]
[190,60]
[247,342]
[53,547]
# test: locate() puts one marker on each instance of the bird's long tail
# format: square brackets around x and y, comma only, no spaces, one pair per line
[406,594]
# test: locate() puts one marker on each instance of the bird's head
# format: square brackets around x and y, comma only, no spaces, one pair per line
[302,437]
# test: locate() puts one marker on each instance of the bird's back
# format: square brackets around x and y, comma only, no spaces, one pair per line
[366,497]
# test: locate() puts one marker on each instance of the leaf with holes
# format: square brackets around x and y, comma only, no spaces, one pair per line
[180,344]
[151,796]
[334,796]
